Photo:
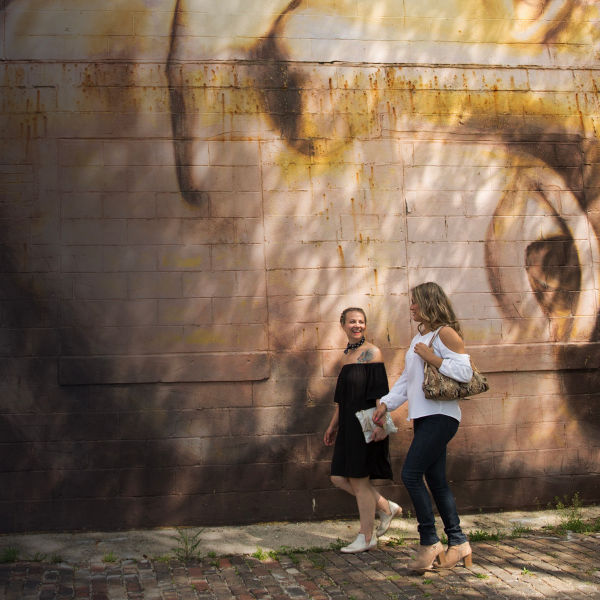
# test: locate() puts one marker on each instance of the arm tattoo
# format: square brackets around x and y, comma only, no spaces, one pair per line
[366,356]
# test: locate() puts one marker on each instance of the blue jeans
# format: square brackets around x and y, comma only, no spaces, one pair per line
[427,457]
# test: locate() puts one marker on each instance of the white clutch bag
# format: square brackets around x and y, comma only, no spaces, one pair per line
[365,418]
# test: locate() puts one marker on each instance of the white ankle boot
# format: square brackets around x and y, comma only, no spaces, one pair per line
[385,520]
[360,544]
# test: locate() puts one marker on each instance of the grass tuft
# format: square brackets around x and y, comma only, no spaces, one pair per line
[9,555]
[188,543]
[483,536]
[109,557]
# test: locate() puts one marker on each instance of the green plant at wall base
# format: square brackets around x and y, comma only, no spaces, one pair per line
[260,554]
[109,557]
[188,543]
[337,544]
[571,515]
[9,555]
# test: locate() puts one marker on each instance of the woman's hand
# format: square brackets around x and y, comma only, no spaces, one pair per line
[379,413]
[378,434]
[330,435]
[424,351]
[428,355]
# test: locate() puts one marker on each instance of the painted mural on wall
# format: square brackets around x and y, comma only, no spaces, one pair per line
[193,191]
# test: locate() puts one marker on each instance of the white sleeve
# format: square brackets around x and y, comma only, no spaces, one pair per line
[397,395]
[455,365]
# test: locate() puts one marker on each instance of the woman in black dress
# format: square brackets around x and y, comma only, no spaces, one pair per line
[362,380]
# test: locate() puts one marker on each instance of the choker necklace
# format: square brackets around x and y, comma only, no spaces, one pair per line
[354,346]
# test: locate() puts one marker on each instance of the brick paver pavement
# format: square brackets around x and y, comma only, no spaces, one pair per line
[528,567]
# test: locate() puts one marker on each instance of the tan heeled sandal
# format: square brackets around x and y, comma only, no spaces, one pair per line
[426,556]
[454,554]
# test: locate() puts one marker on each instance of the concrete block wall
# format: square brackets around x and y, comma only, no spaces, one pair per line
[192,191]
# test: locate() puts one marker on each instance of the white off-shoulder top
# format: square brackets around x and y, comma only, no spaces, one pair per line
[409,385]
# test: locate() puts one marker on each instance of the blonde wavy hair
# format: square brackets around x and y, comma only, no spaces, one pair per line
[434,306]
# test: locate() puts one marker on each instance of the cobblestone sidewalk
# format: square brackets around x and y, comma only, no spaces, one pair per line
[528,567]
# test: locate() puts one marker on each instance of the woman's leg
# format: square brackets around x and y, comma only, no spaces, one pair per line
[363,490]
[431,435]
[343,483]
[436,479]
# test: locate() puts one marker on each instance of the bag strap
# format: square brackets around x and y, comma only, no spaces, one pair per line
[437,332]
[425,363]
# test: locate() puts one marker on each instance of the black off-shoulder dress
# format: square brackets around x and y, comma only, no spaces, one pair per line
[358,386]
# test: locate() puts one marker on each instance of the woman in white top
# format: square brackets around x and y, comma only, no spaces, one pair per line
[435,423]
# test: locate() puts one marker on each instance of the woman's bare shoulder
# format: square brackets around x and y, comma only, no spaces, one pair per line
[369,353]
[452,340]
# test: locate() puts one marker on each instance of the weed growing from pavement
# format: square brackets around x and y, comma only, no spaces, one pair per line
[481,576]
[38,557]
[395,541]
[260,554]
[163,558]
[188,543]
[595,525]
[109,557]
[571,515]
[337,544]
[525,571]
[287,551]
[519,531]
[9,555]
[484,536]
